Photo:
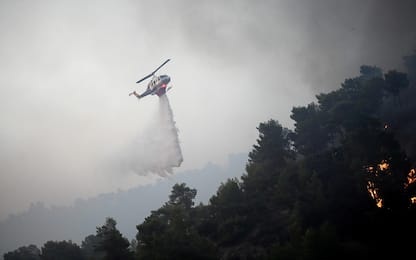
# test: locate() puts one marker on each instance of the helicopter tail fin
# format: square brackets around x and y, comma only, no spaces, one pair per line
[134,93]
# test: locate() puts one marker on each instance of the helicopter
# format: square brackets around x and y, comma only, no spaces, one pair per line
[158,85]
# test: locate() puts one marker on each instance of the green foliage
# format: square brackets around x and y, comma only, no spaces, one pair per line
[339,186]
[171,231]
[182,196]
[111,242]
[370,72]
[61,250]
[273,145]
[268,157]
[329,189]
[90,246]
[410,64]
[395,82]
[309,133]
[227,214]
[30,252]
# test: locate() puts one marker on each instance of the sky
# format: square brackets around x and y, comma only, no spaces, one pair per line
[67,68]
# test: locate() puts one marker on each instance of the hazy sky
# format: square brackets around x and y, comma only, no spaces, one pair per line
[67,68]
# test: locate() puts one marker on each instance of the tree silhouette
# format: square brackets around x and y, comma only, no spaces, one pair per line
[340,185]
[171,233]
[30,252]
[111,241]
[61,250]
[89,248]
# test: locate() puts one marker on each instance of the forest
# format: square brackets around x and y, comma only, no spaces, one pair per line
[340,185]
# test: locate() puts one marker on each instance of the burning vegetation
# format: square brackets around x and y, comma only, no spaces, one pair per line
[340,185]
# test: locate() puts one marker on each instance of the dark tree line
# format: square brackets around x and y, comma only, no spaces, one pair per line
[341,185]
[107,244]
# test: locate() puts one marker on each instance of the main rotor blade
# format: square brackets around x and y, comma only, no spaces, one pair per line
[148,76]
[151,74]
[160,66]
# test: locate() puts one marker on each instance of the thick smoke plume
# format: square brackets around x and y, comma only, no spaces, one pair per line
[157,150]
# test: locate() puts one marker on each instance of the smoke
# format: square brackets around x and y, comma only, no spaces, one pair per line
[399,112]
[157,149]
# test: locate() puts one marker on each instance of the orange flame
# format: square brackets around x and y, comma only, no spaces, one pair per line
[371,188]
[411,178]
[383,165]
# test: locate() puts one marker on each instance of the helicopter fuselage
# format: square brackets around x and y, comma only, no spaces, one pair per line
[158,85]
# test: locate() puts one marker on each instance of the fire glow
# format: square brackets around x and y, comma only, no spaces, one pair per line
[382,168]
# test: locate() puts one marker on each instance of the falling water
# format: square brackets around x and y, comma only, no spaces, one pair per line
[157,150]
[168,127]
